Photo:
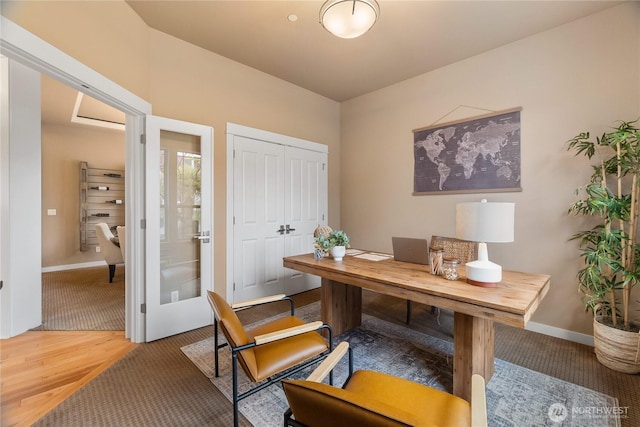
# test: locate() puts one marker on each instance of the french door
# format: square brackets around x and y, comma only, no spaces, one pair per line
[179,218]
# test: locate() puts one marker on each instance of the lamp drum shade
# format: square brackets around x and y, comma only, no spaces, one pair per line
[485,222]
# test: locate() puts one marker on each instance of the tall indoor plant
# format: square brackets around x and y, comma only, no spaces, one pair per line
[610,249]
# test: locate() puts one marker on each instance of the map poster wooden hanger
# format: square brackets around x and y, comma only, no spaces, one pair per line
[478,154]
[456,109]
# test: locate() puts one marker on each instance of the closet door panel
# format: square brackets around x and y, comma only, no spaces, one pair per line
[305,209]
[258,215]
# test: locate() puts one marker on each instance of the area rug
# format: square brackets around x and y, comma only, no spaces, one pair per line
[516,396]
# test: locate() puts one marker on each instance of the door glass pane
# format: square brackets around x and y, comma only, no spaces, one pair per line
[179,217]
[163,192]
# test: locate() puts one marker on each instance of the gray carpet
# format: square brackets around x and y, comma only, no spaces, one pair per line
[516,396]
[83,300]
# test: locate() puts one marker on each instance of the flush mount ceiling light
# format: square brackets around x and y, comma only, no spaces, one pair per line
[349,19]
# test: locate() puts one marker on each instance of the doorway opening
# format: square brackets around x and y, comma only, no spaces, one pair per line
[83,184]
[21,46]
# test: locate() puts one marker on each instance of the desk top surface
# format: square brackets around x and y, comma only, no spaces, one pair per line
[512,302]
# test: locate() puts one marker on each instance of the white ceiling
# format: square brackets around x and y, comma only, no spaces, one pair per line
[409,39]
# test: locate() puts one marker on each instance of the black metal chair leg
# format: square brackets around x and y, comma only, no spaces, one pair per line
[215,334]
[287,416]
[234,363]
[409,307]
[112,272]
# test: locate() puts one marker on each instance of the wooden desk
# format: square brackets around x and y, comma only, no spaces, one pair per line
[475,308]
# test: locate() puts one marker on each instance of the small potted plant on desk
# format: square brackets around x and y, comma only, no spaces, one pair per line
[610,249]
[336,242]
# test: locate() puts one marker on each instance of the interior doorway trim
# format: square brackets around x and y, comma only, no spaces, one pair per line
[18,44]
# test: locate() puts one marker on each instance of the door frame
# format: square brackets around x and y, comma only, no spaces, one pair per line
[233,130]
[18,44]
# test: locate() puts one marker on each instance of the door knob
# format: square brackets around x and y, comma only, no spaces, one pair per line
[204,236]
[289,229]
[281,229]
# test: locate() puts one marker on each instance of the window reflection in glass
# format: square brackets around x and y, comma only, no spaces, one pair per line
[180,201]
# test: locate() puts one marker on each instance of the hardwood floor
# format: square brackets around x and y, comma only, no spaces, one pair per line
[38,370]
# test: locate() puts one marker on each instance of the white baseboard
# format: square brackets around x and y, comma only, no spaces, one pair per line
[560,333]
[73,266]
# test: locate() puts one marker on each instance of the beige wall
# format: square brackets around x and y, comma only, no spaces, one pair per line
[581,76]
[63,148]
[105,35]
[185,82]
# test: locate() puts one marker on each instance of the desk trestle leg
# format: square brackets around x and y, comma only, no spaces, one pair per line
[341,305]
[473,343]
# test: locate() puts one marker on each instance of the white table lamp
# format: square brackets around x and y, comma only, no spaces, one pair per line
[484,222]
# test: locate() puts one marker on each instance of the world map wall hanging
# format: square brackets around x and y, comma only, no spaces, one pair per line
[474,155]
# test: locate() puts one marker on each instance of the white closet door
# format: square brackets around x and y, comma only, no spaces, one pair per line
[277,195]
[305,208]
[258,216]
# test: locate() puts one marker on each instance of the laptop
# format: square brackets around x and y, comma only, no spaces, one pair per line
[407,249]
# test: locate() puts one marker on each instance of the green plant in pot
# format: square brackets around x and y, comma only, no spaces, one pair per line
[335,242]
[610,249]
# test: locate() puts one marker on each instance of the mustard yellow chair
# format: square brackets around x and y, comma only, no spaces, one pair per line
[268,352]
[375,399]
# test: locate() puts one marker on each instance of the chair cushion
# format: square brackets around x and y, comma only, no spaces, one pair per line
[270,358]
[375,399]
[433,407]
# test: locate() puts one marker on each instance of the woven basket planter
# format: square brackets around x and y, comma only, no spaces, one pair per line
[616,349]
